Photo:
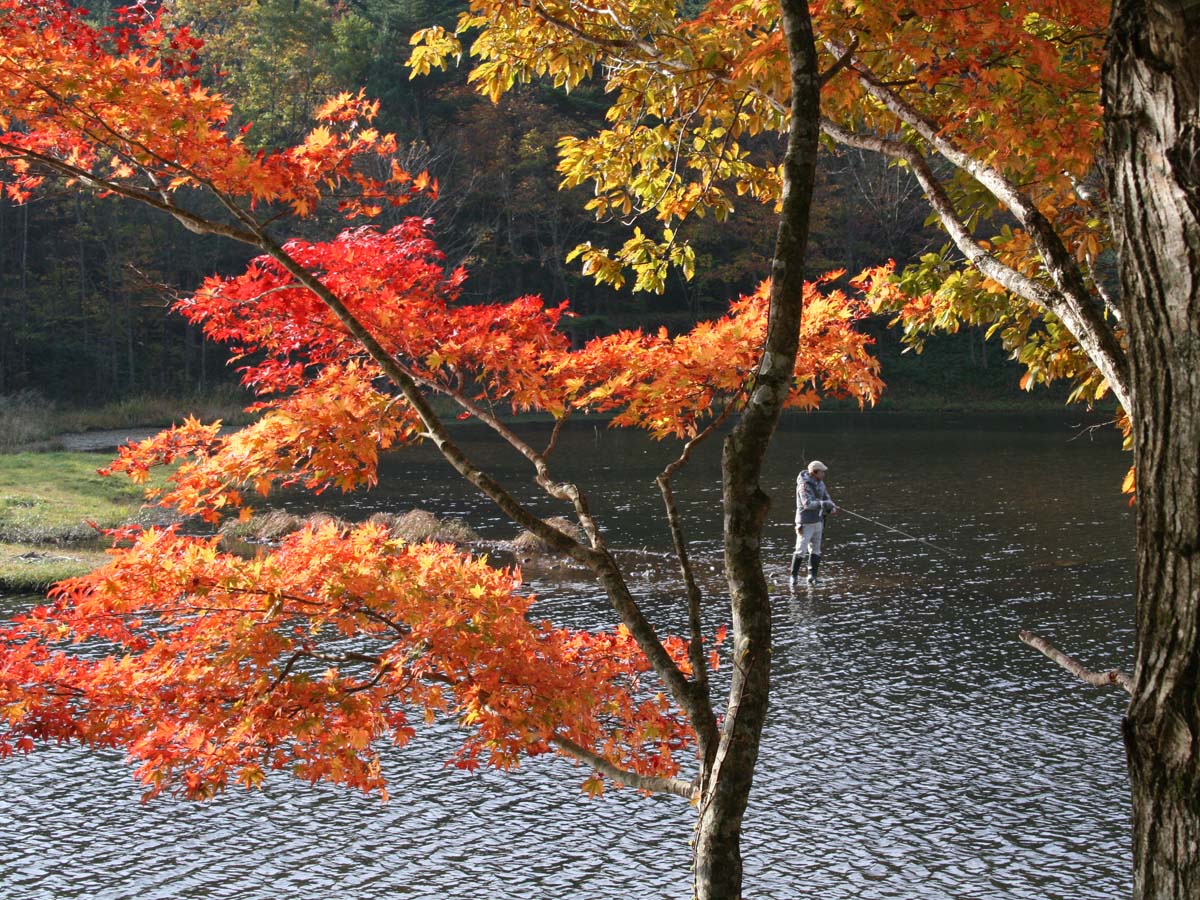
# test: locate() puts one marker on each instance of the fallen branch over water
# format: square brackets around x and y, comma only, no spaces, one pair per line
[1075,667]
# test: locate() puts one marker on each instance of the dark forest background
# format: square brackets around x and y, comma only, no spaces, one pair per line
[83,305]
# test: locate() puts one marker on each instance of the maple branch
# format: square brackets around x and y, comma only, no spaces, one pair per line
[359,607]
[192,222]
[87,113]
[567,491]
[597,559]
[1075,667]
[655,784]
[290,286]
[375,679]
[375,662]
[1073,303]
[90,114]
[287,670]
[554,432]
[401,629]
[343,656]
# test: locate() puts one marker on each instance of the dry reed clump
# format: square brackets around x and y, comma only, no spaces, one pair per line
[414,526]
[27,418]
[527,543]
[419,525]
[270,526]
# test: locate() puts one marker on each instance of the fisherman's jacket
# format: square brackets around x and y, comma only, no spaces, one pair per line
[812,499]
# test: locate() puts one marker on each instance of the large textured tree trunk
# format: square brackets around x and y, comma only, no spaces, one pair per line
[1152,121]
[726,788]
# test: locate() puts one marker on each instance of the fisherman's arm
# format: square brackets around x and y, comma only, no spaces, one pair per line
[809,498]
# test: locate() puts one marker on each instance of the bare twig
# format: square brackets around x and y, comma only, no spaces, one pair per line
[564,490]
[842,61]
[652,783]
[695,624]
[553,442]
[1075,667]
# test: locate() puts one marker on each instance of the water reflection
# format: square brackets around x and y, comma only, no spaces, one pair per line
[915,749]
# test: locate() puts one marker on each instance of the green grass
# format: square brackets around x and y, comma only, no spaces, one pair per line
[48,498]
[29,569]
[46,503]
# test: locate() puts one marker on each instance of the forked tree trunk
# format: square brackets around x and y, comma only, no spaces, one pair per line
[726,789]
[1152,122]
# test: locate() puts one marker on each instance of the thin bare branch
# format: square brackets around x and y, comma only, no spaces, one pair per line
[566,491]
[652,783]
[554,433]
[1075,667]
[675,523]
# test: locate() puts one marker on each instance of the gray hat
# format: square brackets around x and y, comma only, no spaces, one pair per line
[817,466]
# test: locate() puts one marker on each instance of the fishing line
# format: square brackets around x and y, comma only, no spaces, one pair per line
[911,537]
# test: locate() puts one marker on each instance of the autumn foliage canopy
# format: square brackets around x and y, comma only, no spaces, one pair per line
[210,668]
[992,105]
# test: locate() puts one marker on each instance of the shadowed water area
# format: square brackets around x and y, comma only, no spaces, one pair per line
[915,748]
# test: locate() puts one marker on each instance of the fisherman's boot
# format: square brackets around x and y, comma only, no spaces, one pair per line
[797,560]
[814,563]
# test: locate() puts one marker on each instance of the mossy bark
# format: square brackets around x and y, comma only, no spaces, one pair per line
[725,790]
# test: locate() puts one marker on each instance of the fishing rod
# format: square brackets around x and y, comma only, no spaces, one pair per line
[911,537]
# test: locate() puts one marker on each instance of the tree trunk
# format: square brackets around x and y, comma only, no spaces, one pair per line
[726,789]
[1152,122]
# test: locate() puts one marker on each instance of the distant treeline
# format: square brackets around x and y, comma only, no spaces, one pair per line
[85,284]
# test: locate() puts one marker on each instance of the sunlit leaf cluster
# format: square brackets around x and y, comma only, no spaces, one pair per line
[696,95]
[700,92]
[115,108]
[211,669]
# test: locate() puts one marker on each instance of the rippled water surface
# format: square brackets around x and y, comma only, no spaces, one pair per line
[915,748]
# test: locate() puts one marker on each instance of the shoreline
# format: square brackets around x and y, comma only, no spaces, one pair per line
[109,439]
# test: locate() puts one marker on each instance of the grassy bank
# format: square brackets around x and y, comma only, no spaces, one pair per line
[46,503]
[48,498]
[32,569]
[31,420]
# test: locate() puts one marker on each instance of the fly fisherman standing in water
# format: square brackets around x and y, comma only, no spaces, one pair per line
[813,503]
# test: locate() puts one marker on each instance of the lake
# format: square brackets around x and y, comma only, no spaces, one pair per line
[915,748]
